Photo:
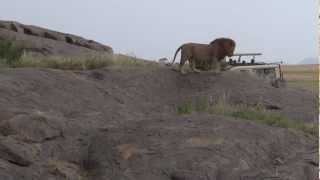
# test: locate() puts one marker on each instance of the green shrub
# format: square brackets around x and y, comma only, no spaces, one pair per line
[201,104]
[185,108]
[9,53]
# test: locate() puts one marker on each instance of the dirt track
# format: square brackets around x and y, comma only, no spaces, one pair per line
[121,123]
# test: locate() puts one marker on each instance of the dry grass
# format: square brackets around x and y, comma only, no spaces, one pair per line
[302,76]
[257,113]
[92,61]
[15,56]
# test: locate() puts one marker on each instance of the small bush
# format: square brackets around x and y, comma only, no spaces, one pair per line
[9,53]
[202,104]
[221,106]
[185,108]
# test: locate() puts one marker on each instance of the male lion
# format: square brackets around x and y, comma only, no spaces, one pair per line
[205,56]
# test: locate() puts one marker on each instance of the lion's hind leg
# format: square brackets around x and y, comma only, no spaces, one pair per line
[183,60]
[193,66]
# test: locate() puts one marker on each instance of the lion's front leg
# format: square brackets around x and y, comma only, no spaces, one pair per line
[215,65]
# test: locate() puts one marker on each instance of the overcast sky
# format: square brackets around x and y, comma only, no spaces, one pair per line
[280,29]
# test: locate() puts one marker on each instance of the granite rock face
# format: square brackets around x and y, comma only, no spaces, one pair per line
[48,42]
[117,123]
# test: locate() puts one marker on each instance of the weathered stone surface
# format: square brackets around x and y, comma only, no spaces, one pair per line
[17,152]
[36,127]
[48,42]
[122,123]
[56,169]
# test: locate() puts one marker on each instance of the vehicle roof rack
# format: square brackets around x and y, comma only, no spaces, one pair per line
[247,54]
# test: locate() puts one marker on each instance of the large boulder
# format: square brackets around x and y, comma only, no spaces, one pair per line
[32,128]
[48,42]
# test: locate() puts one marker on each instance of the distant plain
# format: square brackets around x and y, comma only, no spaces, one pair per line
[302,76]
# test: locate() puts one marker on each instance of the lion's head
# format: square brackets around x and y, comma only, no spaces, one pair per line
[226,46]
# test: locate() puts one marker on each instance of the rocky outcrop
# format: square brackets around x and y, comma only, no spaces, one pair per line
[121,123]
[38,129]
[48,42]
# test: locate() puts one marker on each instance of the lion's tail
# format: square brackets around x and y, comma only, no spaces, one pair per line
[175,54]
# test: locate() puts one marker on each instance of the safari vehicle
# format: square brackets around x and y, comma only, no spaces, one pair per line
[269,71]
